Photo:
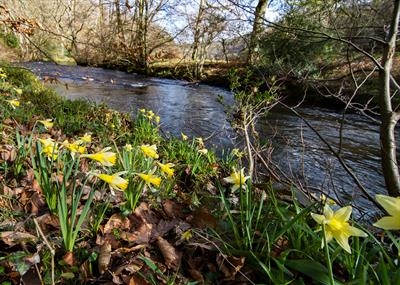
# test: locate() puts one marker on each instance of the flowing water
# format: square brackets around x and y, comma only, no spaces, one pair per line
[194,109]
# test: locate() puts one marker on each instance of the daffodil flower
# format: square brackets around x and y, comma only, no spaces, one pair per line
[149,150]
[48,123]
[167,168]
[392,207]
[237,178]
[200,142]
[203,151]
[74,147]
[50,148]
[115,181]
[105,157]
[46,142]
[184,137]
[150,179]
[128,147]
[150,114]
[337,226]
[157,119]
[87,138]
[13,103]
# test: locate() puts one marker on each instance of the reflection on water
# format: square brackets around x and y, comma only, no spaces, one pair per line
[297,149]
[194,110]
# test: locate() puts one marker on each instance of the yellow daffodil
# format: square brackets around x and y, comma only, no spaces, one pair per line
[149,150]
[337,226]
[128,147]
[48,123]
[13,103]
[237,178]
[200,142]
[105,157]
[74,147]
[392,207]
[167,168]
[157,119]
[46,142]
[184,137]
[50,148]
[87,138]
[150,114]
[142,110]
[115,181]
[203,151]
[150,179]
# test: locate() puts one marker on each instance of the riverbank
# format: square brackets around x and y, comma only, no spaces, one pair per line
[333,87]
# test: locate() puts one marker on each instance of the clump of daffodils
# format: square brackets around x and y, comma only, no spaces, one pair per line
[336,226]
[149,114]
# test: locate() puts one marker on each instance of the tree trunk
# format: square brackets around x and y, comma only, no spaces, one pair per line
[196,53]
[120,29]
[141,33]
[389,117]
[259,14]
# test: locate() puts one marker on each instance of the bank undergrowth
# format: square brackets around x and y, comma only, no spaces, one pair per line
[90,195]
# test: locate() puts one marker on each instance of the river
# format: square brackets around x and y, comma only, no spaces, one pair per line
[194,110]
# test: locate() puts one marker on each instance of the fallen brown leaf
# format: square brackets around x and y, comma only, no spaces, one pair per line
[48,222]
[197,276]
[171,255]
[164,226]
[8,153]
[203,218]
[131,268]
[104,257]
[230,265]
[171,209]
[12,238]
[36,187]
[116,221]
[144,213]
[138,280]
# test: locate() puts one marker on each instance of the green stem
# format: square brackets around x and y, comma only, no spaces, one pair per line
[328,258]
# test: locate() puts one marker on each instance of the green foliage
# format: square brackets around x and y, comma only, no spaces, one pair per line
[9,39]
[295,52]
